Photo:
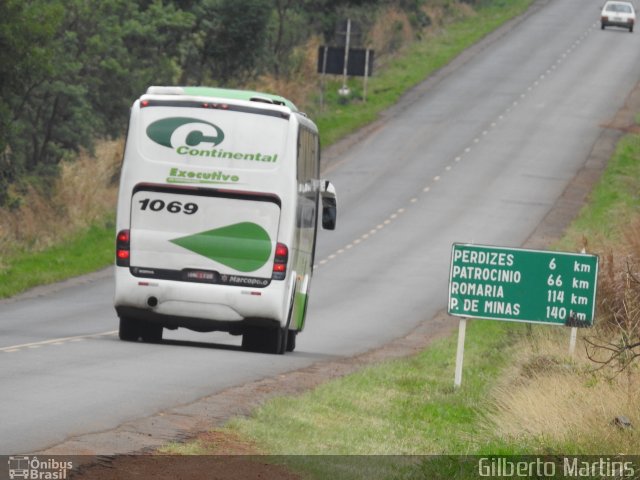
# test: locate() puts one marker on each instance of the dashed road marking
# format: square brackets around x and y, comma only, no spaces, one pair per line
[54,341]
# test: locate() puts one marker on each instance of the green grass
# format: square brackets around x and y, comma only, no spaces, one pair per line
[381,421]
[404,407]
[84,252]
[616,197]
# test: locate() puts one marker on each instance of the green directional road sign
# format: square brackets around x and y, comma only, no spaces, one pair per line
[523,285]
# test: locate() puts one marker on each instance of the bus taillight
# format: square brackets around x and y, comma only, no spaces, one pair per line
[280,262]
[122,248]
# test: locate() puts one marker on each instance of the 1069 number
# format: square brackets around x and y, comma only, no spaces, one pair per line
[158,205]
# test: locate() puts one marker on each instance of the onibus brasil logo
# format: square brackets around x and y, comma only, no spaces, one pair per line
[197,138]
[27,467]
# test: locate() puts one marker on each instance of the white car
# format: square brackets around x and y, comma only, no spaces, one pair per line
[618,14]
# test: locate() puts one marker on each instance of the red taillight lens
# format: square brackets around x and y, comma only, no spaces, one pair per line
[123,237]
[123,240]
[280,262]
[282,251]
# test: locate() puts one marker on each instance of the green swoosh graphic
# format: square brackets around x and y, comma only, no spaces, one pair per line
[245,246]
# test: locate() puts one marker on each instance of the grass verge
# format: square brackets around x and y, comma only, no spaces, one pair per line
[406,407]
[378,422]
[87,251]
[614,201]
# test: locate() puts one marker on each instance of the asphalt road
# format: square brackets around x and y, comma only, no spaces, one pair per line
[479,156]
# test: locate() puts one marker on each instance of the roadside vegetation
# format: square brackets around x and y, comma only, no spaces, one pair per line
[64,233]
[64,103]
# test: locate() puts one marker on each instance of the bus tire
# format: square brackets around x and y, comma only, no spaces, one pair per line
[129,330]
[264,340]
[291,340]
[134,330]
[151,333]
[282,342]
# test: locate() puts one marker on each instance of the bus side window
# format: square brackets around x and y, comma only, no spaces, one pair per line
[306,166]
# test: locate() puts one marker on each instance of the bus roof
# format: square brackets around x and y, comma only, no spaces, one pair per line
[247,95]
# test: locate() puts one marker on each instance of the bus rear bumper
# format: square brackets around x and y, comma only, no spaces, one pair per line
[200,307]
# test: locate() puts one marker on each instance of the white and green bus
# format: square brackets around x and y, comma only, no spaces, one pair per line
[217,216]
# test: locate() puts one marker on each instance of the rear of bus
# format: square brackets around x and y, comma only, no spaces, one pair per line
[206,214]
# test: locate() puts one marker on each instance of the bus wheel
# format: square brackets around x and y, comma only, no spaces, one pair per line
[129,330]
[134,330]
[291,340]
[265,340]
[151,333]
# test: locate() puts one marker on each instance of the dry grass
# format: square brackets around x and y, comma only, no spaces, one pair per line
[390,32]
[84,192]
[553,400]
[301,84]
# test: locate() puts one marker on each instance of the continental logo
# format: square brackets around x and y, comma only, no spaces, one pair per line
[193,137]
[189,132]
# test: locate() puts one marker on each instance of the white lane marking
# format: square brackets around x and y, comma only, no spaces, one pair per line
[55,341]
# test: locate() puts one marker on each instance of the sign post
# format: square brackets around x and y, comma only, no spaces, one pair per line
[521,285]
[572,340]
[462,329]
[345,60]
[345,90]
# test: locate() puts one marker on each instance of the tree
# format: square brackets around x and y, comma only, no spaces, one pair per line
[288,30]
[73,69]
[618,343]
[69,69]
[227,38]
[26,30]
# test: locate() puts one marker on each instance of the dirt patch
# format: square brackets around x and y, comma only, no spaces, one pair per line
[211,467]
